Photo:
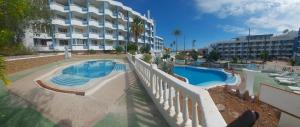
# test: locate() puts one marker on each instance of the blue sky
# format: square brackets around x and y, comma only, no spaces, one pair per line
[207,21]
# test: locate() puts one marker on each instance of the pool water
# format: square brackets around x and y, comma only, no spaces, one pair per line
[203,76]
[82,73]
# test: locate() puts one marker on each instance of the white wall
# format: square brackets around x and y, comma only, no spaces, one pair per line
[287,102]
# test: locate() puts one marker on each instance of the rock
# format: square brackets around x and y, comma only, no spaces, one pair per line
[235,114]
[221,107]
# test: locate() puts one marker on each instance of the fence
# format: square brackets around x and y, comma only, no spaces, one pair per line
[171,96]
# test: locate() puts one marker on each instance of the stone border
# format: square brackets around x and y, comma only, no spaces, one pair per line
[43,85]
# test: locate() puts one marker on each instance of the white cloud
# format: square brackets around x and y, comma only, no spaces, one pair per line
[238,30]
[262,15]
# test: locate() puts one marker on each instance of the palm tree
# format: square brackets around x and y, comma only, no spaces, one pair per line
[194,44]
[3,77]
[174,43]
[176,33]
[137,28]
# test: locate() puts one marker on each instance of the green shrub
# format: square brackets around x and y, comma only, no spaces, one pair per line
[292,62]
[157,60]
[91,51]
[145,49]
[194,55]
[147,57]
[180,56]
[3,77]
[131,47]
[15,49]
[119,49]
[166,56]
[167,67]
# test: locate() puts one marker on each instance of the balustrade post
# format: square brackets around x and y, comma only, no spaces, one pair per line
[178,114]
[195,121]
[165,102]
[160,90]
[157,87]
[187,120]
[171,106]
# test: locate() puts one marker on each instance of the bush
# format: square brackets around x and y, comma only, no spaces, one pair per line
[194,55]
[147,57]
[131,47]
[91,52]
[292,62]
[3,77]
[119,49]
[166,56]
[180,56]
[15,49]
[157,60]
[167,67]
[145,49]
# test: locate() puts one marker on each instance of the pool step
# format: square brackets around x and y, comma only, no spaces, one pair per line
[119,67]
[69,80]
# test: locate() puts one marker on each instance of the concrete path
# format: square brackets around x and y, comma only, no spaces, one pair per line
[123,99]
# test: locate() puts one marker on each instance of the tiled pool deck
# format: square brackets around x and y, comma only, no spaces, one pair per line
[123,102]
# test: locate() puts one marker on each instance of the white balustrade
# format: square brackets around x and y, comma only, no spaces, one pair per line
[163,88]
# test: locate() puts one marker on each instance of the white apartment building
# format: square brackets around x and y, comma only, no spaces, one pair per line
[158,44]
[90,25]
[283,46]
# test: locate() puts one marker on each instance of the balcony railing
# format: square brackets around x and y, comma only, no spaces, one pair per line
[164,89]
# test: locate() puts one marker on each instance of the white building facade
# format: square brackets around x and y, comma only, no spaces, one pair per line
[90,25]
[283,46]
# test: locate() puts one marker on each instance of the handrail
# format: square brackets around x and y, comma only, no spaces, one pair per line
[164,88]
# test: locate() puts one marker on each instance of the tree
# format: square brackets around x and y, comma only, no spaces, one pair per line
[193,44]
[16,16]
[145,49]
[214,55]
[194,55]
[176,33]
[264,56]
[137,28]
[119,49]
[3,77]
[132,48]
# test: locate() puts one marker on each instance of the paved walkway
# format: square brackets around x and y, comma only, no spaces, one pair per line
[121,102]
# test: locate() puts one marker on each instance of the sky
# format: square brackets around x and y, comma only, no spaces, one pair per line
[209,21]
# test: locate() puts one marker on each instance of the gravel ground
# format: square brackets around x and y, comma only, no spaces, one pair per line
[234,107]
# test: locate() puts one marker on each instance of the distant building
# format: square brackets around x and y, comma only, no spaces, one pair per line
[284,46]
[203,51]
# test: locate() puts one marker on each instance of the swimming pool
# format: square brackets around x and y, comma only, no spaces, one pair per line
[80,74]
[204,76]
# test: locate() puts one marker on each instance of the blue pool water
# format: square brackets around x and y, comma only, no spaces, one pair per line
[82,73]
[203,76]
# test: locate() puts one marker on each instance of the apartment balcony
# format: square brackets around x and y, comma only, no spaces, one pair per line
[109,47]
[109,36]
[94,23]
[62,35]
[59,21]
[79,35]
[121,38]
[93,9]
[109,25]
[96,47]
[110,13]
[78,22]
[58,7]
[77,8]
[79,47]
[121,27]
[94,35]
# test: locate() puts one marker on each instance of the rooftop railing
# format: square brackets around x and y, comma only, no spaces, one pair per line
[172,96]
